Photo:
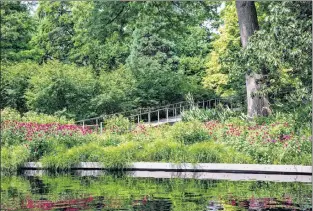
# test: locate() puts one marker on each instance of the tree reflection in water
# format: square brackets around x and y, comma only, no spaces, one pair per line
[68,192]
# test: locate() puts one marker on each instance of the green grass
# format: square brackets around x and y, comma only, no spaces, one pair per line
[156,151]
[12,157]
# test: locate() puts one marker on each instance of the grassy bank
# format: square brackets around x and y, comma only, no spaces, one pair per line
[59,144]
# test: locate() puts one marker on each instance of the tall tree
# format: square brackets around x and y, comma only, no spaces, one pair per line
[282,47]
[17,27]
[154,65]
[62,89]
[15,82]
[101,34]
[219,61]
[55,30]
[258,104]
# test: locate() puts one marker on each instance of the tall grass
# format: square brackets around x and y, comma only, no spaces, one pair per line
[157,151]
[13,157]
[60,146]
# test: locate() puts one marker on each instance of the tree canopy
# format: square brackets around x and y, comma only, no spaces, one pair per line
[83,59]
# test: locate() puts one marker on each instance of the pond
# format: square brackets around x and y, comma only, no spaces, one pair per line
[112,191]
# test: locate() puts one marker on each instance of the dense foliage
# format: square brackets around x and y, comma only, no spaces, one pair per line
[92,58]
[17,29]
[59,144]
[75,60]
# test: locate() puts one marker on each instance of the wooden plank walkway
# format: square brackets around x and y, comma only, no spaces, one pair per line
[170,120]
[163,114]
[200,167]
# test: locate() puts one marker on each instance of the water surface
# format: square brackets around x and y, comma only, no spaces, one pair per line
[120,192]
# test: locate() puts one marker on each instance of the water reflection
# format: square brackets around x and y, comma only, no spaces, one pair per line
[117,192]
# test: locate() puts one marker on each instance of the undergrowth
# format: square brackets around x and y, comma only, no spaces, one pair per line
[233,140]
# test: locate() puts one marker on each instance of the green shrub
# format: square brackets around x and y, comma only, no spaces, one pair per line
[210,152]
[219,113]
[111,157]
[162,150]
[15,82]
[62,89]
[32,116]
[275,143]
[40,147]
[120,156]
[13,157]
[110,139]
[10,135]
[117,124]
[65,158]
[10,114]
[196,115]
[190,132]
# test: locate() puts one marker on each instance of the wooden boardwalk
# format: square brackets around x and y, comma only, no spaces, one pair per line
[170,120]
[160,115]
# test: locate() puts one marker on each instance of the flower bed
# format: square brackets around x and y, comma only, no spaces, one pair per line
[274,143]
[41,139]
[61,146]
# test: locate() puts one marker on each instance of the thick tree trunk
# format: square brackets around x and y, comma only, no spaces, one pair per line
[248,23]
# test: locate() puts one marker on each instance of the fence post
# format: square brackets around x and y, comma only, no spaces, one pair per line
[101,128]
[149,117]
[83,124]
[97,124]
[166,114]
[175,114]
[138,118]
[203,104]
[180,108]
[158,116]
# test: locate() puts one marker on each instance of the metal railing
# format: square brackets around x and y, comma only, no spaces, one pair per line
[163,114]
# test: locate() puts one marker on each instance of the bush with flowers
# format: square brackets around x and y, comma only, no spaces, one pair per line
[36,138]
[273,143]
[235,140]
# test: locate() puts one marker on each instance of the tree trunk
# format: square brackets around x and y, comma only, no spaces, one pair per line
[248,23]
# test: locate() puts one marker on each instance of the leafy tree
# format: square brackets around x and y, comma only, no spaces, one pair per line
[116,89]
[282,51]
[192,47]
[100,44]
[62,89]
[167,51]
[17,27]
[84,45]
[101,36]
[15,82]
[154,65]
[218,62]
[257,104]
[55,30]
